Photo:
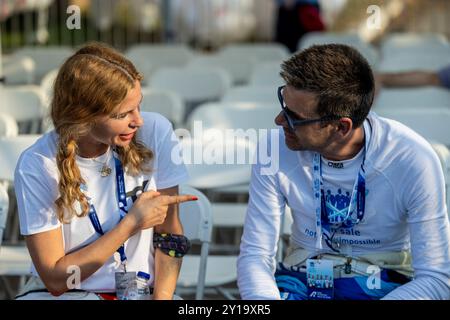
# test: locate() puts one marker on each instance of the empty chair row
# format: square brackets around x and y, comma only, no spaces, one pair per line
[29,65]
[351,39]
[403,44]
[411,98]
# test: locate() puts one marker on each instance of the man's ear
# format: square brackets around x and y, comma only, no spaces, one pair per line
[344,126]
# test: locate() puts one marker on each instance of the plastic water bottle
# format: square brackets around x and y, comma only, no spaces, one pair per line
[142,286]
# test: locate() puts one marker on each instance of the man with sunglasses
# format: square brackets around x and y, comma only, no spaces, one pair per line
[366,194]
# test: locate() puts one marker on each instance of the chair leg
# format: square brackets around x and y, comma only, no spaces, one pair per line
[226,293]
[8,289]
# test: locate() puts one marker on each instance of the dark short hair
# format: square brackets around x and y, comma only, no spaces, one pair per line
[338,74]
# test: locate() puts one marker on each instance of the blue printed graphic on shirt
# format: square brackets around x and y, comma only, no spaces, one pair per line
[336,212]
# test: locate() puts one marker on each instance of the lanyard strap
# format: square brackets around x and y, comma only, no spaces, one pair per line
[358,196]
[122,203]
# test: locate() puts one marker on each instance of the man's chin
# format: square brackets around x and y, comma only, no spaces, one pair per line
[292,145]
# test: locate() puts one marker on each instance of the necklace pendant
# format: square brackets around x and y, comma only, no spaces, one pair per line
[105,171]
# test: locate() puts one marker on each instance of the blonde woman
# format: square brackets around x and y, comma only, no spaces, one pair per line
[99,193]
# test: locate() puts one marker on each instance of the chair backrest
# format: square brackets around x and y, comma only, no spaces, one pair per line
[8,126]
[267,74]
[412,61]
[196,218]
[350,39]
[22,103]
[432,124]
[10,150]
[259,51]
[206,172]
[192,84]
[410,43]
[150,57]
[229,115]
[167,103]
[25,105]
[45,58]
[317,37]
[18,70]
[239,68]
[252,93]
[411,98]
[47,84]
[4,206]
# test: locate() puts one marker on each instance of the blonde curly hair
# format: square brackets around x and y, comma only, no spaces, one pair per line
[90,84]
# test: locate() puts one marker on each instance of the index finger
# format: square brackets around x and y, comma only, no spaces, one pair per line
[178,198]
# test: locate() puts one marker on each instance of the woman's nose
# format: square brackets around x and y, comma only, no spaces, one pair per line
[137,120]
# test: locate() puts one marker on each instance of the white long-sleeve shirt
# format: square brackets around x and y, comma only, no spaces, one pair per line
[405,210]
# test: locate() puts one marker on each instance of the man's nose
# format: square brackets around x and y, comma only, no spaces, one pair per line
[280,120]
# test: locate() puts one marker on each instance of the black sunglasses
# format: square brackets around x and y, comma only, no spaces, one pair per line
[295,122]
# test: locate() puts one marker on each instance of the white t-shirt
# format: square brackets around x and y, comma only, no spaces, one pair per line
[36,185]
[405,210]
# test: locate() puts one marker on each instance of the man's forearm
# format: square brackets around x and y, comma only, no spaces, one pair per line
[167,269]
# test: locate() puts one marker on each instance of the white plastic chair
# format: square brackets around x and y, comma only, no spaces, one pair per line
[197,221]
[206,173]
[235,115]
[411,98]
[45,58]
[412,61]
[216,119]
[165,102]
[10,150]
[18,70]
[432,124]
[239,68]
[4,206]
[24,104]
[267,74]
[317,37]
[192,84]
[259,51]
[196,218]
[47,84]
[252,93]
[150,57]
[350,39]
[414,43]
[8,126]
[14,260]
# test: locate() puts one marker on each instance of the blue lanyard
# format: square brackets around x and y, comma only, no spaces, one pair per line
[122,202]
[358,197]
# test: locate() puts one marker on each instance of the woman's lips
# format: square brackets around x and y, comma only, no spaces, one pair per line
[128,136]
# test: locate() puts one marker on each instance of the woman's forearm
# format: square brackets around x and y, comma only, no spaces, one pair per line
[86,260]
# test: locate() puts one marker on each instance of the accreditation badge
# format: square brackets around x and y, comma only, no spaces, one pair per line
[320,280]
